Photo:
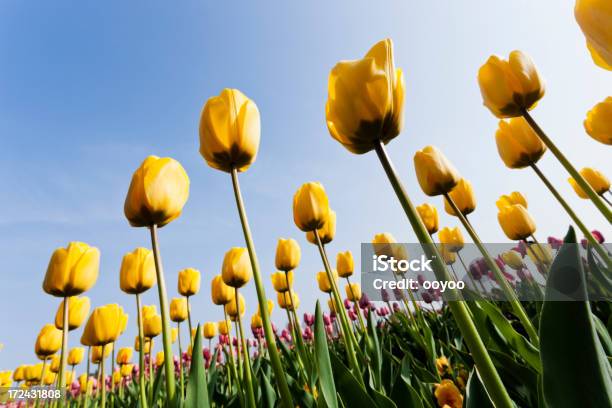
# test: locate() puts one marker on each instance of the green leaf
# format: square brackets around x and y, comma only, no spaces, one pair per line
[349,388]
[197,389]
[404,395]
[322,361]
[374,347]
[576,372]
[476,395]
[268,396]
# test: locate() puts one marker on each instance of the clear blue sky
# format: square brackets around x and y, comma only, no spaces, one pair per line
[89,89]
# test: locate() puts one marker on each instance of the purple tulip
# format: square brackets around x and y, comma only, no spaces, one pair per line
[427,297]
[364,301]
[309,319]
[555,243]
[384,295]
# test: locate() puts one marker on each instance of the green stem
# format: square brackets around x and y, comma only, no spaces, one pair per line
[586,187]
[490,377]
[103,379]
[297,329]
[64,352]
[587,234]
[141,364]
[178,335]
[356,306]
[246,358]
[279,373]
[87,377]
[191,336]
[151,375]
[231,359]
[163,305]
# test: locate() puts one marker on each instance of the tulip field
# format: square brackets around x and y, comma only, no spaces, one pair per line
[527,326]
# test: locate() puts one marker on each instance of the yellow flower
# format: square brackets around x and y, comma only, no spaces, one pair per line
[159,358]
[221,293]
[310,207]
[236,270]
[19,374]
[326,232]
[285,301]
[33,373]
[443,365]
[513,198]
[279,281]
[5,378]
[126,369]
[148,310]
[157,193]
[48,342]
[518,144]
[148,344]
[365,100]
[188,282]
[209,330]
[540,253]
[78,309]
[463,196]
[288,254]
[137,271]
[256,322]
[516,222]
[435,173]
[232,310]
[510,86]
[513,259]
[345,264]
[353,292]
[429,216]
[96,353]
[270,307]
[386,244]
[448,395]
[152,326]
[598,123]
[323,281]
[49,378]
[596,179]
[448,256]
[331,303]
[116,377]
[173,335]
[595,19]
[229,131]
[104,325]
[178,309]
[72,270]
[124,355]
[55,363]
[225,327]
[452,238]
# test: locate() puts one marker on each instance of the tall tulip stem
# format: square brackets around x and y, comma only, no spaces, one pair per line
[180,360]
[584,185]
[231,359]
[246,358]
[191,336]
[64,352]
[141,373]
[488,373]
[279,373]
[163,305]
[103,379]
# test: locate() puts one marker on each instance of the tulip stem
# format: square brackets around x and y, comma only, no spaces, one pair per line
[141,373]
[180,360]
[246,356]
[102,383]
[587,234]
[584,185]
[279,373]
[87,367]
[163,305]
[64,352]
[191,336]
[233,371]
[488,373]
[606,200]
[356,306]
[297,329]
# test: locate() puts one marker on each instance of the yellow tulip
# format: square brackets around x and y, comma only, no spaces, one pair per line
[137,271]
[429,216]
[595,19]
[124,355]
[96,353]
[463,196]
[326,232]
[323,281]
[232,310]
[285,302]
[518,144]
[104,325]
[353,292]
[5,378]
[256,322]
[514,197]
[229,131]
[282,282]
[72,270]
[435,173]
[516,222]
[49,378]
[117,377]
[148,310]
[513,259]
[310,207]
[331,303]
[365,103]
[48,342]
[539,253]
[510,86]
[598,123]
[221,293]
[152,326]
[209,330]
[126,369]
[386,244]
[33,373]
[288,254]
[345,264]
[188,282]
[173,335]
[270,308]
[236,270]
[178,309]
[452,238]
[448,395]
[157,193]
[596,179]
[148,344]
[78,309]
[55,363]
[225,327]
[159,358]
[448,256]
[19,373]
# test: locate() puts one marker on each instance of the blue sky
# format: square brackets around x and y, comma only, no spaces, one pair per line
[88,90]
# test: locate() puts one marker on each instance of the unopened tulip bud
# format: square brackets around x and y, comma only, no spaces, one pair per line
[288,254]
[452,238]
[435,173]
[598,122]
[324,283]
[221,293]
[225,327]
[78,309]
[310,207]
[124,355]
[178,309]
[137,271]
[353,292]
[518,144]
[345,264]
[513,198]
[516,222]
[188,282]
[463,197]
[595,19]
[326,232]
[104,325]
[429,216]
[209,330]
[513,259]
[236,270]
[96,353]
[152,326]
[55,364]
[48,342]
[232,309]
[282,282]
[596,179]
[72,270]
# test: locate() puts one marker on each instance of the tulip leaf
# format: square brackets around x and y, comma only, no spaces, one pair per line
[476,395]
[268,396]
[576,372]
[404,395]
[349,388]
[602,278]
[374,345]
[322,360]
[197,388]
[157,383]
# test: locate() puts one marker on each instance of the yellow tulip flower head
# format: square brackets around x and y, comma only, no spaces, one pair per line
[152,326]
[282,281]
[463,196]
[516,222]
[509,87]
[96,353]
[514,197]
[256,322]
[236,270]
[137,271]
[104,325]
[517,143]
[117,376]
[78,309]
[55,363]
[326,232]
[148,310]
[158,192]
[232,308]
[323,281]
[72,270]
[353,292]
[539,254]
[19,374]
[209,330]
[6,378]
[148,344]
[159,359]
[345,265]
[447,394]
[124,355]
[34,373]
[331,303]
[429,216]
[452,238]
[225,327]
[288,254]
[285,301]
[310,207]
[595,19]
[173,335]
[221,293]
[435,173]
[365,103]
[229,131]
[126,369]
[448,256]
[386,244]
[188,282]
[270,304]
[596,179]
[513,259]
[598,123]
[48,342]
[178,309]
[49,378]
